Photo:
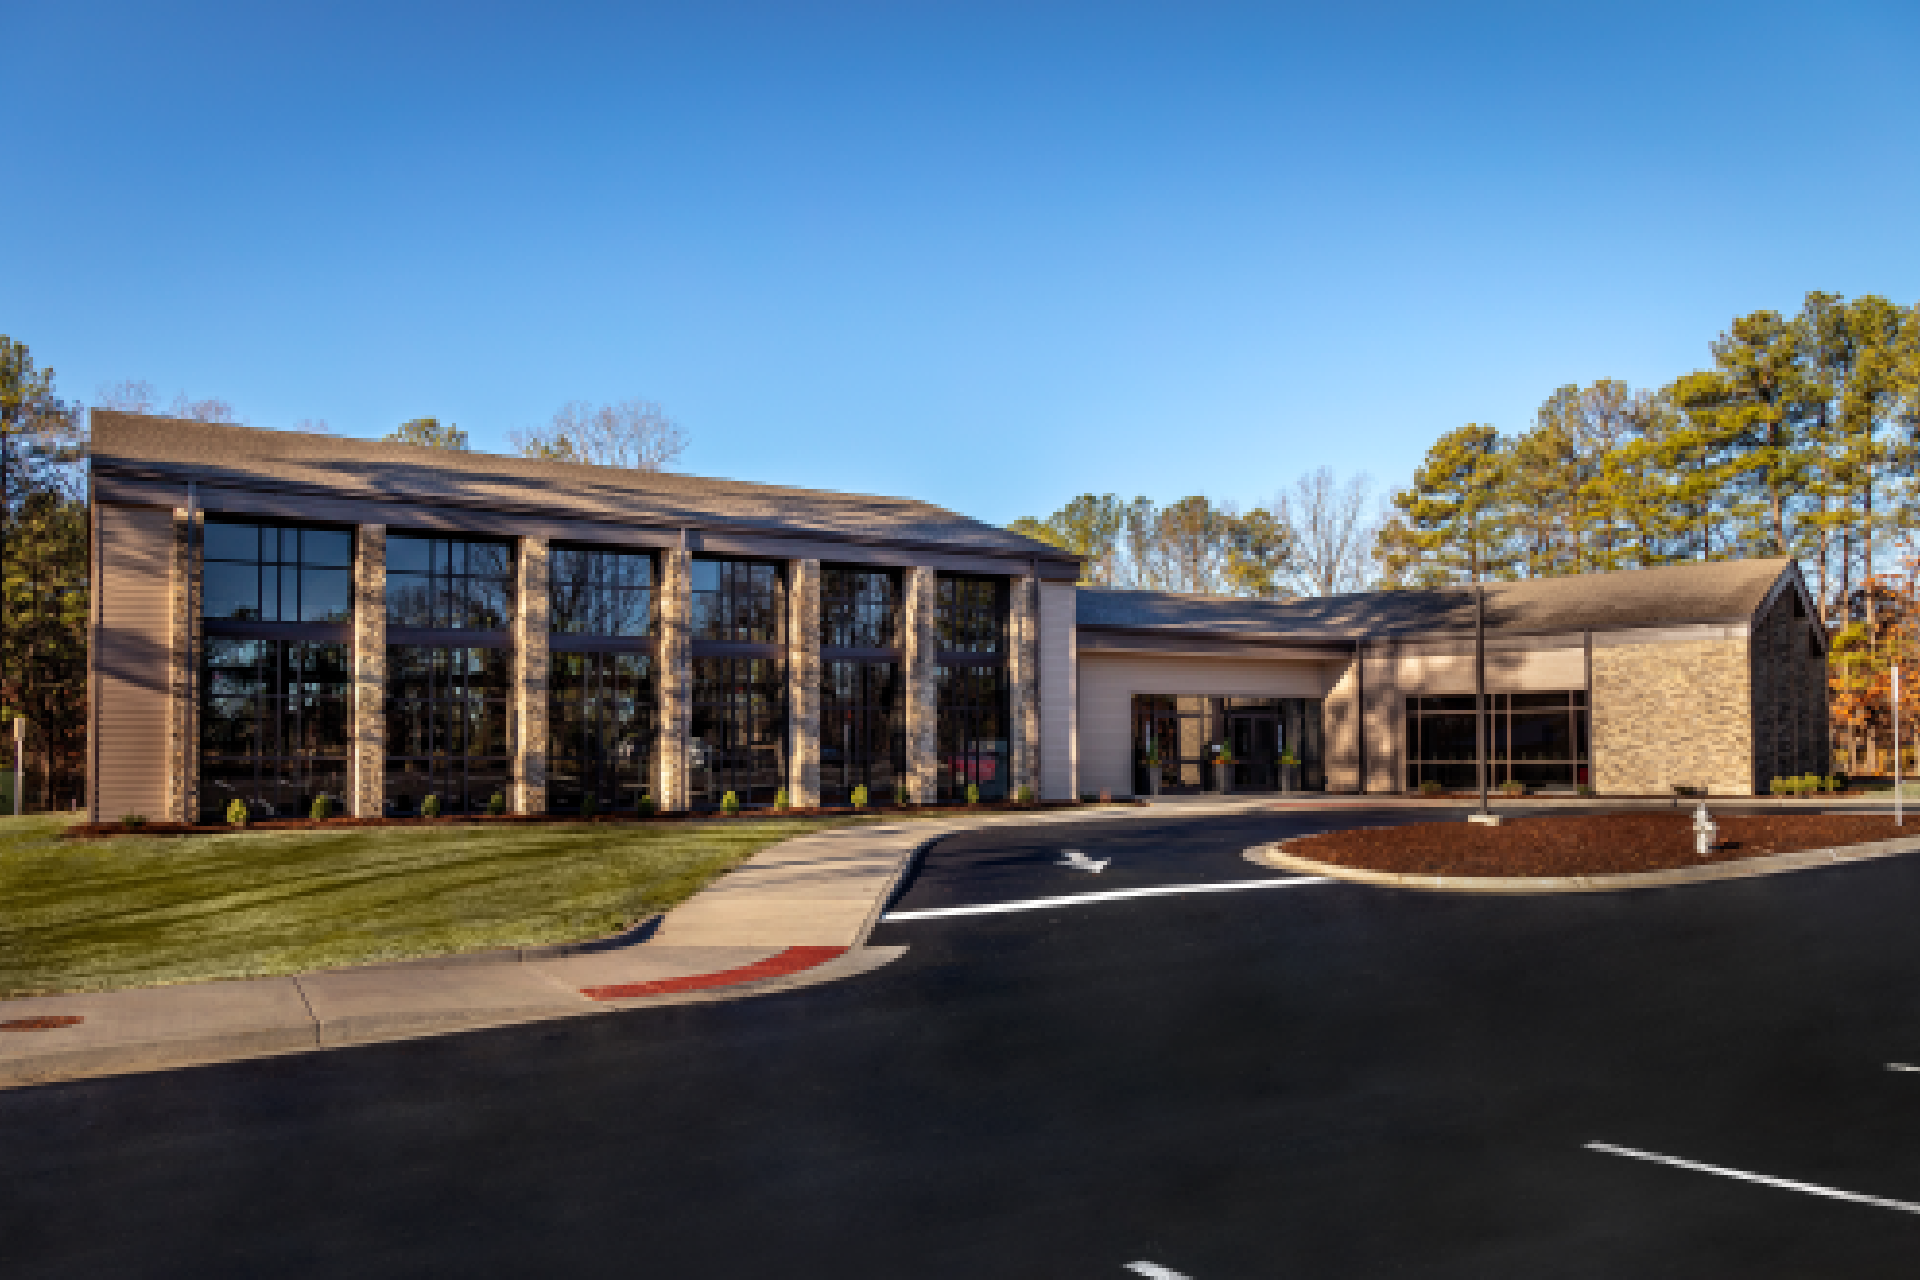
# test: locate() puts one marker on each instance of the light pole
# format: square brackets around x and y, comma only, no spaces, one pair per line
[1480,688]
[1899,810]
[19,765]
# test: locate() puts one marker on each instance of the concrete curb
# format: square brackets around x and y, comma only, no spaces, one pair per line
[1275,855]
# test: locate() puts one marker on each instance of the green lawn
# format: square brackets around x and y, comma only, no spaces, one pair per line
[88,915]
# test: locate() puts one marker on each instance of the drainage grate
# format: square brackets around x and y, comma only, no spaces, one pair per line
[53,1023]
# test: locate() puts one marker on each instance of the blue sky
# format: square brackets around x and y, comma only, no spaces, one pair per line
[991,255]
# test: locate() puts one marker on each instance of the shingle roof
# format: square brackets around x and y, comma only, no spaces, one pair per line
[1718,591]
[137,443]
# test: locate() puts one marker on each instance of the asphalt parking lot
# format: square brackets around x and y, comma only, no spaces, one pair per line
[1314,1080]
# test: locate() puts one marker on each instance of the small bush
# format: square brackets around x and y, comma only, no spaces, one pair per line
[1429,788]
[497,804]
[900,796]
[973,793]
[730,805]
[430,807]
[1583,789]
[1024,795]
[322,808]
[647,807]
[860,797]
[1513,787]
[780,800]
[1778,786]
[588,803]
[237,815]
[133,821]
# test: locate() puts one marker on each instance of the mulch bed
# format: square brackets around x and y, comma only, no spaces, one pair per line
[1586,844]
[99,830]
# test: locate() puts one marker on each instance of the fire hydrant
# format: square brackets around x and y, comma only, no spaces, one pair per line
[1705,830]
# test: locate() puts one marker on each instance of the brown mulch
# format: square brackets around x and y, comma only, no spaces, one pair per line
[1585,844]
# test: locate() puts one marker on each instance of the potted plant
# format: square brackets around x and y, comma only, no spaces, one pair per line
[730,805]
[1223,757]
[860,797]
[1288,763]
[1513,788]
[1153,770]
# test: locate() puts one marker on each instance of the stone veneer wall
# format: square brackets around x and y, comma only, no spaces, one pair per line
[1023,684]
[923,694]
[803,683]
[183,665]
[531,672]
[1672,711]
[367,750]
[674,673]
[1790,725]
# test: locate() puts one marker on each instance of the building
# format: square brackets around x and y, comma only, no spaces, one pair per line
[279,616]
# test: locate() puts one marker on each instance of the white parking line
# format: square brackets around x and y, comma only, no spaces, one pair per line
[1785,1184]
[1901,1066]
[1110,895]
[1153,1271]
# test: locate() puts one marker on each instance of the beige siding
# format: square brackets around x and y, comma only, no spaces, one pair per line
[1059,727]
[1342,730]
[1108,682]
[132,662]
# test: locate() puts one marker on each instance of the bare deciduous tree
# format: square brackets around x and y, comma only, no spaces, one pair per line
[633,433]
[133,395]
[1333,532]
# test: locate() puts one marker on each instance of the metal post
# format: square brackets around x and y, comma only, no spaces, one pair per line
[1480,687]
[19,765]
[1899,810]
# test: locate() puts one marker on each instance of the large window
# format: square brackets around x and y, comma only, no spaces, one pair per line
[863,730]
[448,584]
[1185,734]
[971,616]
[972,746]
[601,688]
[1539,739]
[447,726]
[739,740]
[739,602]
[859,609]
[601,593]
[601,729]
[273,726]
[276,601]
[267,573]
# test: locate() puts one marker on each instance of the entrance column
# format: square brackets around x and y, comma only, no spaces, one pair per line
[531,673]
[1023,686]
[674,667]
[923,694]
[368,752]
[803,683]
[185,669]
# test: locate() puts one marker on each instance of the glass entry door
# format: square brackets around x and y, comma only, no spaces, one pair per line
[1255,737]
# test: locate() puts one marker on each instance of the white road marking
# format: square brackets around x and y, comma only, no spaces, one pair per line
[1901,1066]
[1109,895]
[1785,1184]
[1081,862]
[1153,1271]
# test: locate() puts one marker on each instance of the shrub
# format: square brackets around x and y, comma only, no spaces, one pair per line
[430,807]
[1429,788]
[860,797]
[133,821]
[900,795]
[497,803]
[1778,786]
[1583,789]
[237,815]
[973,793]
[1024,795]
[730,805]
[322,808]
[588,803]
[780,799]
[1513,787]
[647,807]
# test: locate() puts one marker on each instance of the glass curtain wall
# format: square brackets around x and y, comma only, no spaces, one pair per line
[450,602]
[602,692]
[863,731]
[973,732]
[276,609]
[1538,739]
[1186,732]
[738,634]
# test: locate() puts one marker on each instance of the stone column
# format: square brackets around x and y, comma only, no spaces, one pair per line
[367,754]
[674,676]
[923,695]
[183,670]
[1023,685]
[531,670]
[803,684]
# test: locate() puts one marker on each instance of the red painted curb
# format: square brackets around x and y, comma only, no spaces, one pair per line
[792,960]
[50,1022]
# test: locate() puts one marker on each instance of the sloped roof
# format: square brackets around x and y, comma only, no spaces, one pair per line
[1711,592]
[138,444]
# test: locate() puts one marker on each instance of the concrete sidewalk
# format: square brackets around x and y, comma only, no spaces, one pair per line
[797,913]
